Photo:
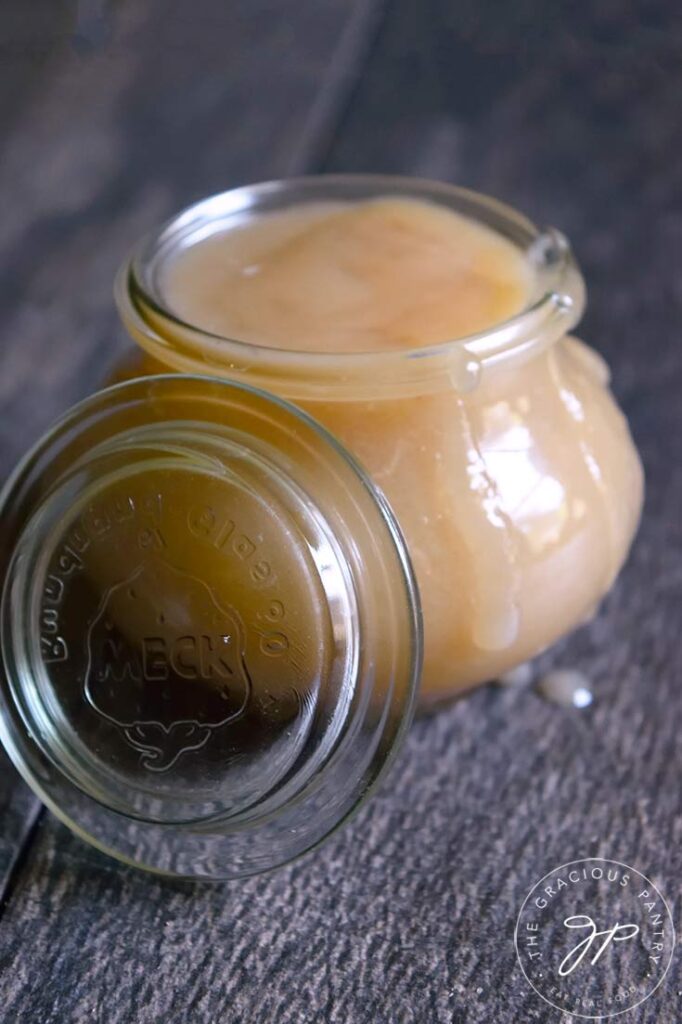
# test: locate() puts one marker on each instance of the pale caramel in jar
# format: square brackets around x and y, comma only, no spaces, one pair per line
[426,328]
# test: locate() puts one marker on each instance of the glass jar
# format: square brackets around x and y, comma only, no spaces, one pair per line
[504,456]
[211,639]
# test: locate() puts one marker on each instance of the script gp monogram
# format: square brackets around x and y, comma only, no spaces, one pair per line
[573,959]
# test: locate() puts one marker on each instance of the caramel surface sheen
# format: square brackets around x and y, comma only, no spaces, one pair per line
[518,499]
[377,275]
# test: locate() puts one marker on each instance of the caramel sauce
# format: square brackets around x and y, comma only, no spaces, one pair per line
[518,498]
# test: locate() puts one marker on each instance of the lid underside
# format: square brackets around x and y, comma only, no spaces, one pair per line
[210,627]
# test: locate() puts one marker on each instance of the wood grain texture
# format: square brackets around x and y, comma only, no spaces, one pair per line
[407,914]
[169,102]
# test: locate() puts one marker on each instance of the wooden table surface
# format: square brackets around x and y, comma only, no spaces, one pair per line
[115,114]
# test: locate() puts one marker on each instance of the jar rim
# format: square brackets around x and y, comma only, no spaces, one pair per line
[552,311]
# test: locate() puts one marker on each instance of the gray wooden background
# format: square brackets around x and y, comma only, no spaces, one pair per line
[112,115]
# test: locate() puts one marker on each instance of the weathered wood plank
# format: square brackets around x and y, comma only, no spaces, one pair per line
[119,115]
[179,100]
[407,915]
[20,812]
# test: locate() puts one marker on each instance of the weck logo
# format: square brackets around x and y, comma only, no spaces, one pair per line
[165,663]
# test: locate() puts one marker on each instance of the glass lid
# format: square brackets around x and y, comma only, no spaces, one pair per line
[210,628]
